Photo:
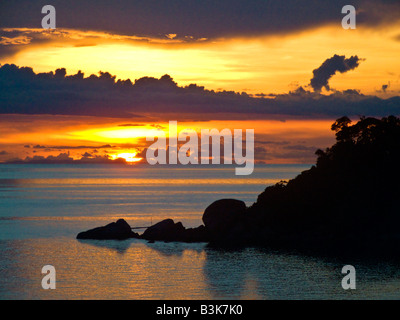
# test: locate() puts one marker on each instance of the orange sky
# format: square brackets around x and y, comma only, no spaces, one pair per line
[51,135]
[260,64]
[268,64]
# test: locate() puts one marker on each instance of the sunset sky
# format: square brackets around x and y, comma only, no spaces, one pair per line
[231,64]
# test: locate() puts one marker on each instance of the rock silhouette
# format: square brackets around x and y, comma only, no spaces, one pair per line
[119,230]
[347,203]
[168,230]
[223,220]
[164,230]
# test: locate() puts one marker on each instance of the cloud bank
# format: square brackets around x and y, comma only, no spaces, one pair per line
[64,158]
[22,91]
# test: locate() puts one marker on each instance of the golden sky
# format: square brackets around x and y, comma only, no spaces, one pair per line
[260,63]
[281,142]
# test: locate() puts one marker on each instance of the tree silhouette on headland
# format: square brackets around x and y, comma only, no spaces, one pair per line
[349,199]
[348,203]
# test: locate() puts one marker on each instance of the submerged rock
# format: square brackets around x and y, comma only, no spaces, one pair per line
[119,230]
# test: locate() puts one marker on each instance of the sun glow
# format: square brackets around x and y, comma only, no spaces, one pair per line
[129,157]
[115,134]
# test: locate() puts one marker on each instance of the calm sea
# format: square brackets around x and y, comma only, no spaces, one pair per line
[43,207]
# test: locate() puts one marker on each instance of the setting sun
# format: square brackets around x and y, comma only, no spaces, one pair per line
[129,157]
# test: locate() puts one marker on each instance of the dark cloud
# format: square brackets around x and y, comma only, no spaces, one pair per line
[64,158]
[329,67]
[130,125]
[3,153]
[12,41]
[197,19]
[156,126]
[298,147]
[24,92]
[87,155]
[385,87]
[70,147]
[289,153]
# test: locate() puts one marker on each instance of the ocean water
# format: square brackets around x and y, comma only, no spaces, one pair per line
[43,207]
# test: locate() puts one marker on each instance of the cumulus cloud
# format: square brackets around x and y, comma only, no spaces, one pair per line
[328,69]
[64,158]
[87,155]
[55,93]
